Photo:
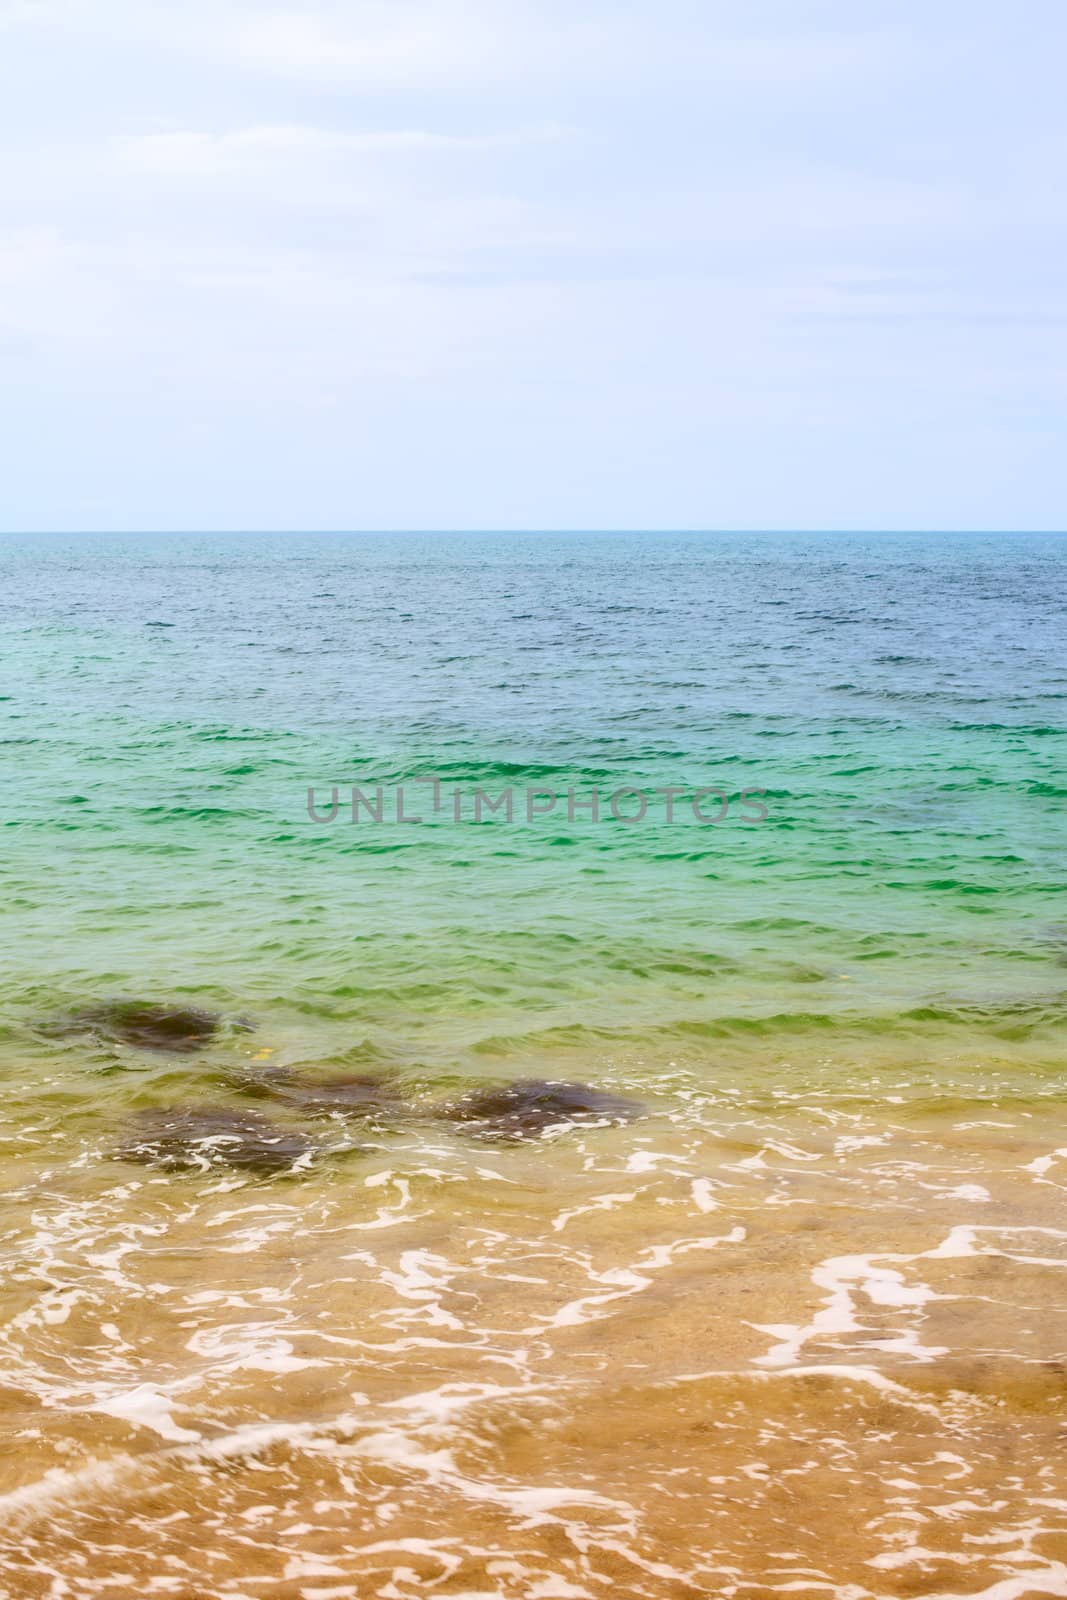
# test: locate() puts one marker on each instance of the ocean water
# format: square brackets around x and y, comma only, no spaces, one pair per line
[798,1328]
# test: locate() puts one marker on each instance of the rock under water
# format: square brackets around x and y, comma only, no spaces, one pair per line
[198,1137]
[526,1108]
[145,1024]
[352,1094]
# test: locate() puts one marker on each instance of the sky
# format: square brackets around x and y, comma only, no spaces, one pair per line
[565,264]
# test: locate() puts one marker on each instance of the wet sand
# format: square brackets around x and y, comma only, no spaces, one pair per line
[815,1348]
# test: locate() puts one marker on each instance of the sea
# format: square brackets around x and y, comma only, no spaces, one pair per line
[761,835]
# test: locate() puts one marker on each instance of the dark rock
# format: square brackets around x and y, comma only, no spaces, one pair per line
[353,1094]
[526,1108]
[199,1137]
[178,1030]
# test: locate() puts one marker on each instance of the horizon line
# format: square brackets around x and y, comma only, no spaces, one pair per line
[510,532]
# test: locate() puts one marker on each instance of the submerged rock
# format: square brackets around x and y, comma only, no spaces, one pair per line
[198,1137]
[147,1025]
[526,1108]
[352,1094]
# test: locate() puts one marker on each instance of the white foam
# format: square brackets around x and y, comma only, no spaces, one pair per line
[145,1407]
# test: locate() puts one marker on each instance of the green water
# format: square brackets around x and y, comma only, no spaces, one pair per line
[901,702]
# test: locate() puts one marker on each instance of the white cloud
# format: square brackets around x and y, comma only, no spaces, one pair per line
[375,43]
[191,153]
[434,44]
[430,42]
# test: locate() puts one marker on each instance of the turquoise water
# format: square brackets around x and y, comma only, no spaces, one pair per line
[902,701]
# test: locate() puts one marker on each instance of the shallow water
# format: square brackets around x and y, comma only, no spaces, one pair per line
[800,1328]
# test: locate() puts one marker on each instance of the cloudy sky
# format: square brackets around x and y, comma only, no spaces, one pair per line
[564,263]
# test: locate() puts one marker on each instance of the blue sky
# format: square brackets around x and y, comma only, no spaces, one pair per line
[480,263]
